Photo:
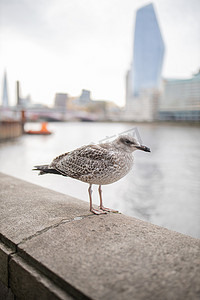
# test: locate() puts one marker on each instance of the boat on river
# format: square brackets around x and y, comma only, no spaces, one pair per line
[42,131]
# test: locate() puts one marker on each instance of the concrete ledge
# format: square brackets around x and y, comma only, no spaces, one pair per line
[28,283]
[5,253]
[52,247]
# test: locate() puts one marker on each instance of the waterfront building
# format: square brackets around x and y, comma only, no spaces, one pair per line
[144,107]
[144,77]
[61,100]
[180,99]
[85,97]
[22,102]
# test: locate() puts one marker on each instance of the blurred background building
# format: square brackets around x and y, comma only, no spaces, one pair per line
[148,52]
[144,77]
[180,99]
[84,98]
[61,101]
[22,102]
[5,102]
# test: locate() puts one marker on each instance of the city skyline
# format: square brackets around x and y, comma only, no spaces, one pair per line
[60,46]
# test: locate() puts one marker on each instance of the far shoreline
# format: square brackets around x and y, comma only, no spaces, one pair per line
[170,123]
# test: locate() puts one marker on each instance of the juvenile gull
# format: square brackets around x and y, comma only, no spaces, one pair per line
[96,164]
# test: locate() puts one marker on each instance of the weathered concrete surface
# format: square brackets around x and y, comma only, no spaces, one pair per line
[27,209]
[58,253]
[118,257]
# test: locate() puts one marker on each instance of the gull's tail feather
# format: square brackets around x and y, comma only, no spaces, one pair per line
[44,169]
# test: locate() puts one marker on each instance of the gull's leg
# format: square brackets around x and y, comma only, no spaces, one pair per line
[95,211]
[101,202]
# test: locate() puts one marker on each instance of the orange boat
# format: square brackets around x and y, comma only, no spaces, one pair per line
[42,131]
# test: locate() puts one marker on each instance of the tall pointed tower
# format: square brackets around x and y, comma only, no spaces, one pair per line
[148,51]
[5,92]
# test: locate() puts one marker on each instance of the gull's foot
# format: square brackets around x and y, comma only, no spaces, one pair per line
[98,211]
[108,209]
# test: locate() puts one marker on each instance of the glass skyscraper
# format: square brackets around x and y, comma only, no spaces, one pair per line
[148,52]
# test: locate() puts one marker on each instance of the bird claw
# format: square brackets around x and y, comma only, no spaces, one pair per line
[98,211]
[106,209]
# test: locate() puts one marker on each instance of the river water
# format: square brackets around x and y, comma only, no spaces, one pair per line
[162,188]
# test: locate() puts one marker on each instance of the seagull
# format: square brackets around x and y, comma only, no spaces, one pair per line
[98,164]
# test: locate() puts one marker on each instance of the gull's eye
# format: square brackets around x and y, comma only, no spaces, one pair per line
[128,142]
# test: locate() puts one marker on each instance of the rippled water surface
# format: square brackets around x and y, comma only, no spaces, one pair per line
[163,186]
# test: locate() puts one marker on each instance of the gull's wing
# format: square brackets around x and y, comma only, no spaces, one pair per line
[84,161]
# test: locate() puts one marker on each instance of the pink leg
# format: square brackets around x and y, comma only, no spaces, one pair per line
[95,211]
[101,203]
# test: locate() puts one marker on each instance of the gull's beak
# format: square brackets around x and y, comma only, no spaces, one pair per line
[144,148]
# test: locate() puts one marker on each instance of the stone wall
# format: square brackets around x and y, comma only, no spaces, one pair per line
[52,247]
[10,129]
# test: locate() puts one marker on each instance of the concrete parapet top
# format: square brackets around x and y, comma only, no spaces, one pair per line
[52,247]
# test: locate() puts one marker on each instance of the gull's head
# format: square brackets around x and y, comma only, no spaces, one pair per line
[129,144]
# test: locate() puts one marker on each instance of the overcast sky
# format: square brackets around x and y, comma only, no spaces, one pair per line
[67,45]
